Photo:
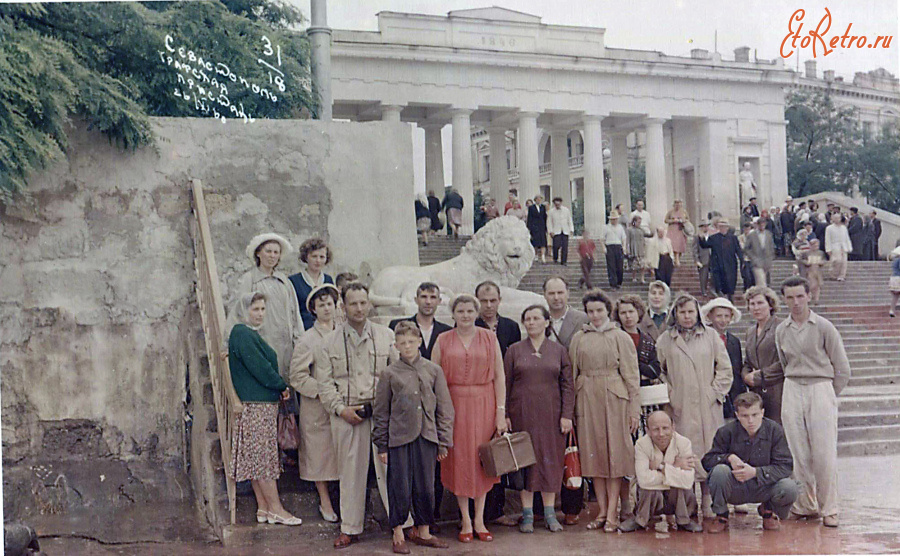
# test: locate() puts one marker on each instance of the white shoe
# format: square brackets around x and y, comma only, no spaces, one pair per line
[275,519]
[261,516]
[330,518]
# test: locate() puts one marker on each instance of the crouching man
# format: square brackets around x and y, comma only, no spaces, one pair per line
[664,464]
[750,462]
[413,428]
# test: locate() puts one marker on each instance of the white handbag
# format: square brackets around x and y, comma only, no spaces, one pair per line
[655,394]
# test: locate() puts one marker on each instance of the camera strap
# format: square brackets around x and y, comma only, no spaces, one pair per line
[347,360]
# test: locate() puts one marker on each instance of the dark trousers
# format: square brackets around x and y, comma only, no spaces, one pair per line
[675,501]
[704,279]
[572,501]
[665,269]
[587,264]
[615,265]
[494,502]
[438,490]
[747,275]
[725,489]
[410,481]
[561,242]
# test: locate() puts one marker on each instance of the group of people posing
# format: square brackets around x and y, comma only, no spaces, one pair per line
[418,401]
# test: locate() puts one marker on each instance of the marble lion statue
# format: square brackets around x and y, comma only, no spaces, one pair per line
[501,251]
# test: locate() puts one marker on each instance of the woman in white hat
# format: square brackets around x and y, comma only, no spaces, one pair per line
[317,461]
[720,314]
[696,367]
[282,326]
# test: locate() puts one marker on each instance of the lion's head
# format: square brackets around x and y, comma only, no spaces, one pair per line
[503,247]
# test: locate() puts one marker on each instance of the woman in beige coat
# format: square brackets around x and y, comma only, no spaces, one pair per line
[607,405]
[697,369]
[316,458]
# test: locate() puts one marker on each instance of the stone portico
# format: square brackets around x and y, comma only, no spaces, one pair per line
[553,100]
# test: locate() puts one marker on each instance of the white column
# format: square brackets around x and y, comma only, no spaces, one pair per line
[658,202]
[529,174]
[594,200]
[434,159]
[776,190]
[621,187]
[559,167]
[462,167]
[717,192]
[390,112]
[320,56]
[499,174]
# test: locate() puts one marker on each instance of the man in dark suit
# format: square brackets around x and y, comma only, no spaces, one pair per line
[564,323]
[873,232]
[857,234]
[508,333]
[725,257]
[507,330]
[428,298]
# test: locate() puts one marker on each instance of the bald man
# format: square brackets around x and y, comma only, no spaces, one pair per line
[664,465]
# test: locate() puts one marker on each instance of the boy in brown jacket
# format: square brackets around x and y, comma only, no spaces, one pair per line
[413,427]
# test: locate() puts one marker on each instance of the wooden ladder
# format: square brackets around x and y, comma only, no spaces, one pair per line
[212,312]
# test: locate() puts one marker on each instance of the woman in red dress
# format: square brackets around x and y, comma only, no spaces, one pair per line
[472,364]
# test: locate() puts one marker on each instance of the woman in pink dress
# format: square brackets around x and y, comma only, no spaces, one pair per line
[472,364]
[676,219]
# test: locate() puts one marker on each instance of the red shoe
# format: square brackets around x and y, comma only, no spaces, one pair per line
[485,536]
[717,525]
[571,519]
[465,537]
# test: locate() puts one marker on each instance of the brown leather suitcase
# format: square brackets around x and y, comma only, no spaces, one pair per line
[507,453]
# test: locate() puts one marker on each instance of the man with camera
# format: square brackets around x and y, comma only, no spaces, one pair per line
[347,369]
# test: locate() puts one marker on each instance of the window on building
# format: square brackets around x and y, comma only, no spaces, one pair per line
[508,160]
[569,146]
[487,167]
[868,128]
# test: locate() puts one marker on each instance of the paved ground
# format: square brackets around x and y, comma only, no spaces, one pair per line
[870,523]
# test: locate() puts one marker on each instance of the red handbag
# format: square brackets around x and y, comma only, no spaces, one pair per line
[572,463]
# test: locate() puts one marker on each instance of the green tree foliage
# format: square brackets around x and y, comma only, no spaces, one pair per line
[637,181]
[107,63]
[827,151]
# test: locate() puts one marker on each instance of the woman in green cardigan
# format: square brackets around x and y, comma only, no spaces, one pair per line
[257,382]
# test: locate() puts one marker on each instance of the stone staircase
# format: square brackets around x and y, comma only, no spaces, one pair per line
[869,420]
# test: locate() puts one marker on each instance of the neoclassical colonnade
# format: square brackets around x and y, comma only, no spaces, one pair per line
[500,70]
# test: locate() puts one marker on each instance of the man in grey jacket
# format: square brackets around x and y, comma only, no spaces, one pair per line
[760,250]
[701,256]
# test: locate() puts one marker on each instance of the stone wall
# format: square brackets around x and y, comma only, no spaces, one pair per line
[96,268]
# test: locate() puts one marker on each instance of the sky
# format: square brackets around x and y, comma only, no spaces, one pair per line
[673,27]
[676,26]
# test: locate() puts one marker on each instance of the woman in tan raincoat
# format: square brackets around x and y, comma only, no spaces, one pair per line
[607,404]
[697,369]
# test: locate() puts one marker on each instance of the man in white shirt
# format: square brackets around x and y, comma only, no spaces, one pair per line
[560,226]
[615,241]
[645,217]
[838,245]
[664,466]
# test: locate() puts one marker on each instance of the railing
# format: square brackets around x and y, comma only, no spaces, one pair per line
[212,312]
[574,162]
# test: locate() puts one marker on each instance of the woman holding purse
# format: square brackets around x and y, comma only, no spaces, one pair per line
[471,361]
[541,401]
[258,384]
[607,404]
